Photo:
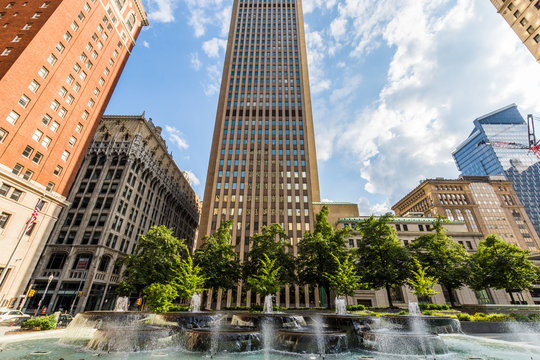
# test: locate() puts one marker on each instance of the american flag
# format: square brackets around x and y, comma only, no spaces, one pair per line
[34,215]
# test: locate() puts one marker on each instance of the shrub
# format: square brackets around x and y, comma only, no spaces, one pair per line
[356,307]
[534,317]
[235,308]
[178,308]
[463,317]
[41,323]
[520,317]
[403,312]
[499,317]
[434,307]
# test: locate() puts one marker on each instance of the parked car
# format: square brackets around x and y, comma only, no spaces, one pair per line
[11,317]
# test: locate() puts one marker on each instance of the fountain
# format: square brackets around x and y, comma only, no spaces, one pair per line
[268,304]
[195,305]
[195,335]
[341,305]
[122,304]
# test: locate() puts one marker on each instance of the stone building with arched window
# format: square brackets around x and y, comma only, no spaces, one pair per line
[127,183]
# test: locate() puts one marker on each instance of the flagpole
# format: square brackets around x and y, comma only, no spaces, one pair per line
[25,230]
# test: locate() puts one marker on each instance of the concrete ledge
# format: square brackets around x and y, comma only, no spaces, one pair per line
[484,327]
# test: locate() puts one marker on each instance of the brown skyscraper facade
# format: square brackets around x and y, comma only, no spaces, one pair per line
[60,61]
[523,16]
[263,166]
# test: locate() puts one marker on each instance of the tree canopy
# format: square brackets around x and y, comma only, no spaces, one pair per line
[273,243]
[501,265]
[156,260]
[382,261]
[442,258]
[266,280]
[420,283]
[317,252]
[218,260]
[345,280]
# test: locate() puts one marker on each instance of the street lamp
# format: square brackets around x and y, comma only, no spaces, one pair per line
[45,293]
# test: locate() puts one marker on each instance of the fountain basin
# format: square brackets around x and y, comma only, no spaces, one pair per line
[130,339]
[433,324]
[309,341]
[403,343]
[228,339]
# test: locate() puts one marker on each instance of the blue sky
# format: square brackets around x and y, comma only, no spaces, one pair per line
[395,86]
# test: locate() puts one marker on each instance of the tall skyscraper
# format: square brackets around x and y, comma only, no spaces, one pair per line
[127,183]
[523,16]
[59,63]
[263,166]
[485,153]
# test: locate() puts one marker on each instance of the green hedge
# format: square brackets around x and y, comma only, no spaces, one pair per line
[356,308]
[433,307]
[177,308]
[41,323]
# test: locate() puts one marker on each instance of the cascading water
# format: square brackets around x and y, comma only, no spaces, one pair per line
[268,305]
[267,332]
[341,306]
[195,305]
[122,304]
[418,327]
[318,329]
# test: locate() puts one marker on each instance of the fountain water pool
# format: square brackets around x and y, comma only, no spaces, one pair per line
[252,336]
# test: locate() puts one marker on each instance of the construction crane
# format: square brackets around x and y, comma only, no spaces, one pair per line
[533,145]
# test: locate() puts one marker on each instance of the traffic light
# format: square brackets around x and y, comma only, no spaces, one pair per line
[31,293]
[139,301]
[80,294]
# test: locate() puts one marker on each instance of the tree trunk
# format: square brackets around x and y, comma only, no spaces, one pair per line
[451,296]
[389,294]
[511,296]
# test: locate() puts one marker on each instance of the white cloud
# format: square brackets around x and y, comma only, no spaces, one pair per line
[214,81]
[146,44]
[212,47]
[192,178]
[176,137]
[204,13]
[161,10]
[195,62]
[452,61]
[366,208]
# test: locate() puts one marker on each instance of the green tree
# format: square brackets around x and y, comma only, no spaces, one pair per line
[189,279]
[160,297]
[218,260]
[266,281]
[442,258]
[317,252]
[272,242]
[156,260]
[345,280]
[381,260]
[500,265]
[420,283]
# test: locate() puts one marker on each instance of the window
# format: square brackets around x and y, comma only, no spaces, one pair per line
[131,22]
[55,105]
[83,75]
[28,150]
[4,218]
[37,135]
[51,59]
[27,26]
[96,92]
[43,72]
[87,7]
[83,57]
[45,4]
[55,126]
[85,115]
[94,55]
[100,45]
[62,113]
[60,47]
[37,157]
[24,101]
[62,92]
[4,189]
[72,141]
[36,15]
[46,142]
[77,87]
[91,103]
[76,67]
[67,36]
[12,117]
[6,51]
[65,155]
[70,80]
[101,81]
[17,38]
[3,135]
[50,186]
[34,86]
[58,170]
[17,169]
[28,175]
[70,99]
[78,128]
[74,26]
[57,261]
[115,53]
[106,71]
[16,195]
[46,119]
[537,38]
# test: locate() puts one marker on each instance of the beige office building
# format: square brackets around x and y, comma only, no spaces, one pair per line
[523,16]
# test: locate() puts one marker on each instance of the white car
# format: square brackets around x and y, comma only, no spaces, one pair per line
[10,317]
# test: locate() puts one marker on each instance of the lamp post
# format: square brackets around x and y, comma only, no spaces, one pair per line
[45,293]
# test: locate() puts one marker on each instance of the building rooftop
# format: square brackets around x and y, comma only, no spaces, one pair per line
[400,219]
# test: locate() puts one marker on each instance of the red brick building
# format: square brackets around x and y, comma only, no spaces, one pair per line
[59,64]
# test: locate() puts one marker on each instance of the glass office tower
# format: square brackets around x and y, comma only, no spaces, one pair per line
[473,157]
[263,167]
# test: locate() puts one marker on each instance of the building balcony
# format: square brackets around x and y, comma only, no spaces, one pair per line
[78,274]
